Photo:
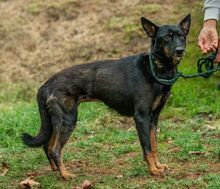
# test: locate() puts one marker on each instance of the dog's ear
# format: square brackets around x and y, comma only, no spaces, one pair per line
[185,24]
[149,27]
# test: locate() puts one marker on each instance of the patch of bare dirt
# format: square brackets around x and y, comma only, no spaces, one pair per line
[120,122]
[38,38]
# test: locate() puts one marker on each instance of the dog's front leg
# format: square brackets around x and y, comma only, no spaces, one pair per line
[158,106]
[153,138]
[142,120]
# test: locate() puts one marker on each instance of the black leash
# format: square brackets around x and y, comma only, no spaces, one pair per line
[205,68]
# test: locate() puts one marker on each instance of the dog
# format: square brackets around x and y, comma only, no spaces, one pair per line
[126,85]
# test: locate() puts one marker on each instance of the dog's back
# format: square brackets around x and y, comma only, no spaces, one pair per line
[113,81]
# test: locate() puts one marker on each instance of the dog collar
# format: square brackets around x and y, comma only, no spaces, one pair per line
[162,80]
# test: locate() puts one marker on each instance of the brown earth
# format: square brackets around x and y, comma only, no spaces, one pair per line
[40,37]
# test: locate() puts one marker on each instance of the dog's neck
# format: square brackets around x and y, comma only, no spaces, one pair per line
[163,67]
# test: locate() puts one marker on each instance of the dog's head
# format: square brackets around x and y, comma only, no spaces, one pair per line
[168,41]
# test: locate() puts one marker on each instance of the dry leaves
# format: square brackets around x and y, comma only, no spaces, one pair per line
[119,177]
[170,140]
[5,169]
[28,183]
[85,185]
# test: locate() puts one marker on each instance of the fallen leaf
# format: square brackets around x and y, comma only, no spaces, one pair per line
[85,185]
[174,149]
[28,183]
[119,177]
[170,140]
[210,127]
[5,169]
[158,130]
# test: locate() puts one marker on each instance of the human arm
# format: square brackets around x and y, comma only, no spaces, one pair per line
[208,37]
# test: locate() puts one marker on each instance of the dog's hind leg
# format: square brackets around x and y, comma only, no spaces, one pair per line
[46,150]
[63,122]
[46,120]
[45,133]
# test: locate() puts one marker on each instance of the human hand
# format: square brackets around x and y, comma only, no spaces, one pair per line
[208,37]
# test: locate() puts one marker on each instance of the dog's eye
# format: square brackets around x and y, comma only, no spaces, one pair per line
[181,36]
[169,36]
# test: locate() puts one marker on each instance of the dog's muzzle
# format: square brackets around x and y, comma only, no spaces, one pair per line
[179,51]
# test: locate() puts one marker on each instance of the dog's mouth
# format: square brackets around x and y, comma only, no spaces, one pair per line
[177,59]
[178,56]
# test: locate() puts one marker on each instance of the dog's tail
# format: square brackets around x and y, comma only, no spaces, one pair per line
[46,129]
[31,141]
[42,138]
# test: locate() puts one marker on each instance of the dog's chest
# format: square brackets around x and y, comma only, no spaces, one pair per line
[159,101]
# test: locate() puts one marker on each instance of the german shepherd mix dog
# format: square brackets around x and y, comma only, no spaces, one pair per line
[126,85]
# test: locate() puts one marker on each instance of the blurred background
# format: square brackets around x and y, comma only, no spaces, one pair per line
[40,37]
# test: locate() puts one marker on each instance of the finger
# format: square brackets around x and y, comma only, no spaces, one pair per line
[212,49]
[217,59]
[204,51]
[215,44]
[207,49]
[201,43]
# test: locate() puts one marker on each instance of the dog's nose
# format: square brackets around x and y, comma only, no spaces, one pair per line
[179,51]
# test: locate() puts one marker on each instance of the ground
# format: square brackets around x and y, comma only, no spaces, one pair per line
[39,38]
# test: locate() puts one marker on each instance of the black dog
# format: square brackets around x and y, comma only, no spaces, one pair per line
[126,85]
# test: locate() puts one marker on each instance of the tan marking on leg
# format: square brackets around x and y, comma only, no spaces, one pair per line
[50,147]
[53,141]
[156,102]
[64,173]
[54,144]
[53,166]
[154,151]
[153,169]
[68,103]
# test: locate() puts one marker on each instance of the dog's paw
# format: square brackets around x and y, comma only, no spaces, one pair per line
[157,172]
[162,166]
[68,176]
